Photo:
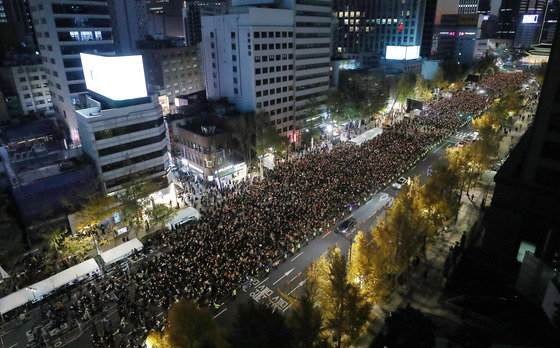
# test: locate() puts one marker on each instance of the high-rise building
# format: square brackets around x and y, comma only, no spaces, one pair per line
[528,22]
[365,28]
[16,12]
[192,13]
[525,210]
[474,6]
[273,61]
[128,23]
[29,82]
[428,31]
[122,129]
[64,30]
[3,15]
[164,17]
[172,72]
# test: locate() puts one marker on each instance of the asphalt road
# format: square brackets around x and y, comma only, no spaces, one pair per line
[289,276]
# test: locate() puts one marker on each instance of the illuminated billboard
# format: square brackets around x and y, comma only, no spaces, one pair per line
[117,78]
[402,52]
[485,17]
[530,18]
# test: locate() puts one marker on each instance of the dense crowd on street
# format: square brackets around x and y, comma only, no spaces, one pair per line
[259,221]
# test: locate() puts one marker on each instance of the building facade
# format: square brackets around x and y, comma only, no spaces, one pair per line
[458,37]
[272,61]
[525,210]
[365,28]
[172,72]
[128,23]
[528,22]
[64,30]
[192,13]
[29,83]
[17,13]
[428,28]
[474,6]
[126,141]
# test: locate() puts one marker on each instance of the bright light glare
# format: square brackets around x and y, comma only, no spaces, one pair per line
[329,128]
[402,52]
[117,78]
[530,18]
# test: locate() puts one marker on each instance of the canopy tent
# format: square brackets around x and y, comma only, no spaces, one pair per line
[38,290]
[184,214]
[121,251]
[370,134]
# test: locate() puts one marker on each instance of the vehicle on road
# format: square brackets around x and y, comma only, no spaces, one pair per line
[346,226]
[398,184]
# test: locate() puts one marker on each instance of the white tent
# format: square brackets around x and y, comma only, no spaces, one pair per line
[370,134]
[38,290]
[121,251]
[183,214]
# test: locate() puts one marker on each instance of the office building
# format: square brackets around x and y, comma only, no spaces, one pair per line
[458,37]
[64,30]
[428,28]
[172,71]
[16,13]
[365,28]
[525,211]
[192,13]
[128,23]
[122,129]
[273,61]
[165,17]
[528,22]
[43,175]
[474,6]
[29,83]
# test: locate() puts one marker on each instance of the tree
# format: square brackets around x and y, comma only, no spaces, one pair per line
[373,102]
[345,310]
[159,214]
[364,269]
[257,325]
[438,199]
[189,326]
[96,208]
[408,327]
[306,320]
[336,102]
[242,131]
[134,199]
[54,238]
[77,246]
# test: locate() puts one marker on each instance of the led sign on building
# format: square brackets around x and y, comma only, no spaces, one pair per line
[402,52]
[117,78]
[530,19]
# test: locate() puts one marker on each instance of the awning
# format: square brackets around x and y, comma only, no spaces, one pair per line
[38,290]
[122,251]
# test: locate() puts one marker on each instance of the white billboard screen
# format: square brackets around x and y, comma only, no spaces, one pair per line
[117,78]
[530,18]
[402,52]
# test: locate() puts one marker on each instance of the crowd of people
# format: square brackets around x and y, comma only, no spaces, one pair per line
[259,221]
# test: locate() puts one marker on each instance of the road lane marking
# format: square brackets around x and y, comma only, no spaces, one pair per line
[300,284]
[326,234]
[384,197]
[13,345]
[296,256]
[286,308]
[285,275]
[225,309]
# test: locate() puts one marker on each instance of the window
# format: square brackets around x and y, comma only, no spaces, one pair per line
[234,58]
[257,71]
[234,68]
[236,91]
[257,47]
[212,34]
[235,80]
[233,35]
[233,46]
[257,34]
